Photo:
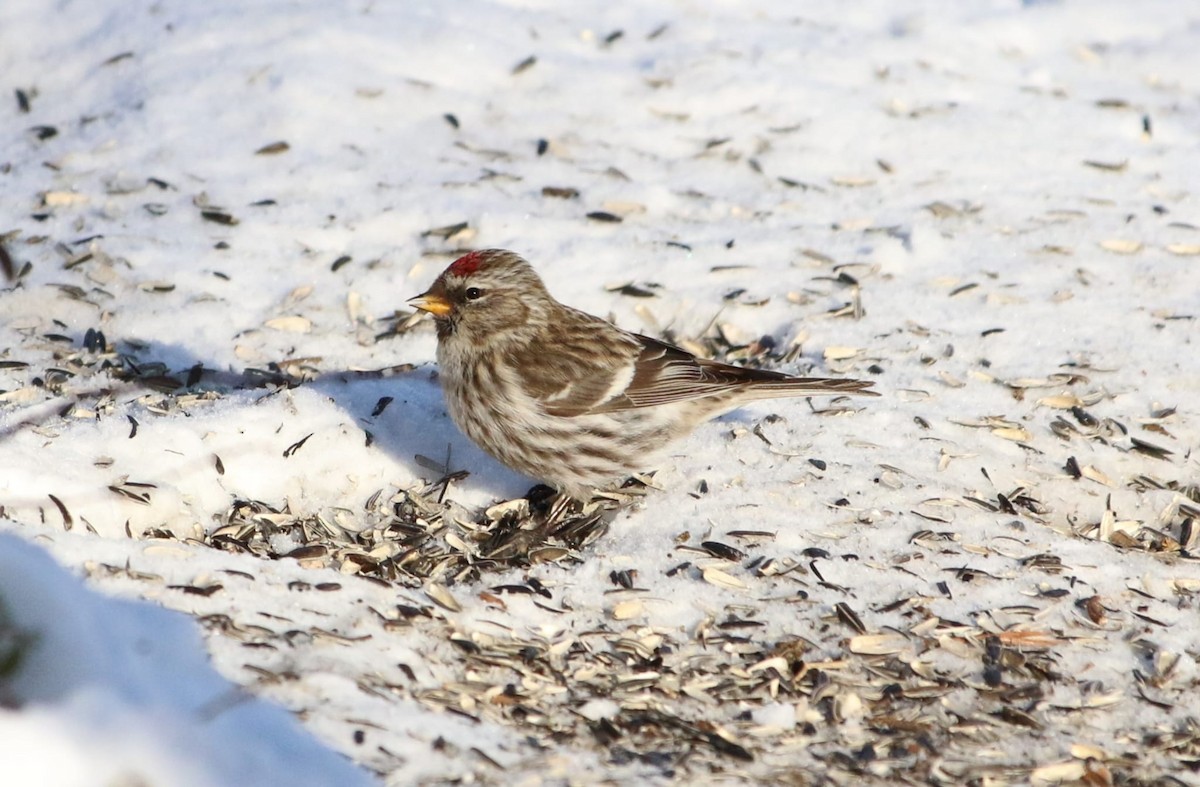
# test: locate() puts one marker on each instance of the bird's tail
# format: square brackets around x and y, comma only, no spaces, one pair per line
[811,386]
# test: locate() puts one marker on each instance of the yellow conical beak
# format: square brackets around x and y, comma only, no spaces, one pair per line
[434,304]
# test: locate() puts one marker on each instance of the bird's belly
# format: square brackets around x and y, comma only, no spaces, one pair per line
[575,454]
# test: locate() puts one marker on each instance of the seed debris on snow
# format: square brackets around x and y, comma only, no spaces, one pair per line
[877,683]
[884,690]
[675,694]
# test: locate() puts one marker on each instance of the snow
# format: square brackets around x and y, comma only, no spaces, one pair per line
[1009,185]
[105,690]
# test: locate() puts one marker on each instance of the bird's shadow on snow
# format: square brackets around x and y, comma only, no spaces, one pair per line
[400,411]
[405,416]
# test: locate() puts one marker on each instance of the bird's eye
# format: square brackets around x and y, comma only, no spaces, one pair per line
[474,293]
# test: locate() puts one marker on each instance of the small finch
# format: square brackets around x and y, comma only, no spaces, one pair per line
[567,398]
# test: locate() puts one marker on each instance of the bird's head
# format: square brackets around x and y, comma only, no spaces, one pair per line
[485,293]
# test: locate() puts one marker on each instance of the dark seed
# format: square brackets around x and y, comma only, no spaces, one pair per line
[634,291]
[194,590]
[445,232]
[218,217]
[676,569]
[723,551]
[93,341]
[848,616]
[381,405]
[307,551]
[993,676]
[1084,417]
[751,534]
[729,748]
[1149,449]
[68,520]
[623,578]
[560,192]
[296,446]
[6,263]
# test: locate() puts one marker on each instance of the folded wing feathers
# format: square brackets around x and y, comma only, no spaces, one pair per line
[666,374]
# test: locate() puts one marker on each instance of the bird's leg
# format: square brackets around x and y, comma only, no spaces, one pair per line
[548,511]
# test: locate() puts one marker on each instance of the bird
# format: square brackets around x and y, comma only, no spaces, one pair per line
[567,398]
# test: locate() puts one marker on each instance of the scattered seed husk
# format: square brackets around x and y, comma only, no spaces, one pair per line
[60,199]
[1107,166]
[459,230]
[1121,246]
[879,644]
[715,576]
[439,595]
[289,324]
[1017,434]
[838,353]
[626,610]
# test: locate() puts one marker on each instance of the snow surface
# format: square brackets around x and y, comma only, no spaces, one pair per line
[1008,183]
[106,691]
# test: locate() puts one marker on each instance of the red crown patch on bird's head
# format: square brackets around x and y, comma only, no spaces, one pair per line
[466,264]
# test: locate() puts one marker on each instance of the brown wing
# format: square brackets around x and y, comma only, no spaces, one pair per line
[658,373]
[633,371]
[589,360]
[666,374]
